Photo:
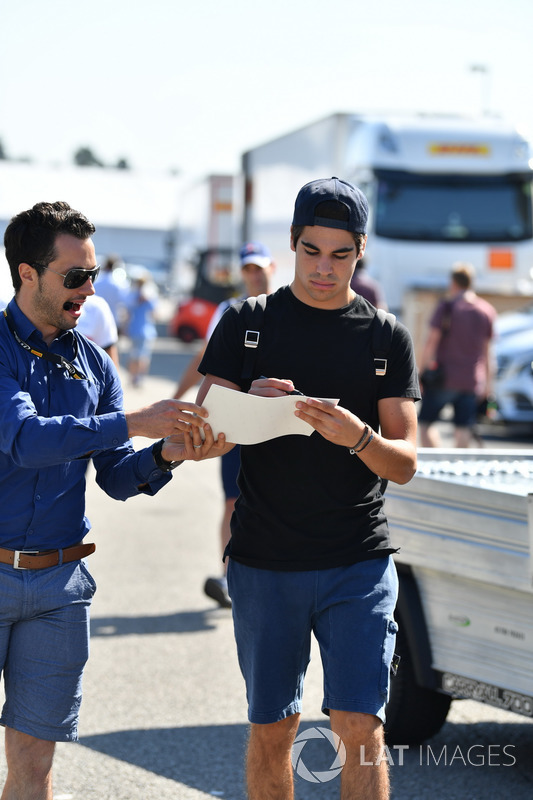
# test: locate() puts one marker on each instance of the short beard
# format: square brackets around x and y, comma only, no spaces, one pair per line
[47,309]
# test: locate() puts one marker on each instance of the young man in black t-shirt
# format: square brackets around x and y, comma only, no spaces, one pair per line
[310,549]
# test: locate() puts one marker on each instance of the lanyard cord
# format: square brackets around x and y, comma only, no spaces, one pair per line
[56,359]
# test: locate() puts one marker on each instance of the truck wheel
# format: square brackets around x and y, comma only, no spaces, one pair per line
[413,712]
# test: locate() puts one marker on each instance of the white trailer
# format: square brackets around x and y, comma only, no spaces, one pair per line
[464,526]
[441,189]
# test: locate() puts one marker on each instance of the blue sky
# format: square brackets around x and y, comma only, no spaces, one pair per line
[191,85]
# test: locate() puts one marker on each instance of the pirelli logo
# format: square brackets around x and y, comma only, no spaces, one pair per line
[457,149]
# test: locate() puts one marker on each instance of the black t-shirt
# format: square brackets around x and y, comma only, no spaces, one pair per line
[306,503]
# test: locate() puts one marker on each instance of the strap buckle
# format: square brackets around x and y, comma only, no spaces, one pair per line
[381,366]
[251,339]
[18,553]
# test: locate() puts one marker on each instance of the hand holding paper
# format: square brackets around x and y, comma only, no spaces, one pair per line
[250,419]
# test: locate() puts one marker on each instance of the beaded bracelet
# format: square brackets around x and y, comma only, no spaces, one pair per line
[361,440]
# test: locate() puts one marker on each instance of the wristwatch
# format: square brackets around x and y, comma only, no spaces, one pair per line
[162,463]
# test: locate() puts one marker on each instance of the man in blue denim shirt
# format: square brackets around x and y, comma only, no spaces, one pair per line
[61,404]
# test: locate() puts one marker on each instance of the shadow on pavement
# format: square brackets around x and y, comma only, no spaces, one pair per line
[181,622]
[485,759]
[210,758]
[463,760]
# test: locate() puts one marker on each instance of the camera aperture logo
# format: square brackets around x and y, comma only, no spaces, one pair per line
[318,776]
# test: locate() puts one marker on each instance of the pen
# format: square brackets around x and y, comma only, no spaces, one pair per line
[294,391]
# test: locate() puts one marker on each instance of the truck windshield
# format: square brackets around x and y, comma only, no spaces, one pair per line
[470,208]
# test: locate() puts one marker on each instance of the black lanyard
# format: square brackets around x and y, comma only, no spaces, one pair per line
[56,359]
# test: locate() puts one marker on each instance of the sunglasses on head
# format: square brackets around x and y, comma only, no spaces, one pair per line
[75,277]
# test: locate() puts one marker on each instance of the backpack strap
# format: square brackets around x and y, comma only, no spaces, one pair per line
[253,310]
[382,330]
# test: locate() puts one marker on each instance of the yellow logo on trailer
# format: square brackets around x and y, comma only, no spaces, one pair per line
[443,149]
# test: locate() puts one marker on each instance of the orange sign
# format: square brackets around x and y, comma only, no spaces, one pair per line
[501,259]
[457,149]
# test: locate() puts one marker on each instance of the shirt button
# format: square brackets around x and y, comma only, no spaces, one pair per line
[31,532]
[37,496]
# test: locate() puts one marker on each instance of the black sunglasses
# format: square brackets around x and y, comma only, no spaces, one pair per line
[75,277]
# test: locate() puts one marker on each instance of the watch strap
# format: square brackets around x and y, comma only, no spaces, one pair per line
[162,463]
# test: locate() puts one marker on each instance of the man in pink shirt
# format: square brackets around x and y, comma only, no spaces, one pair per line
[459,340]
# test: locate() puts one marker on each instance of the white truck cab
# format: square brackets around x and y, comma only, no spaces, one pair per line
[441,189]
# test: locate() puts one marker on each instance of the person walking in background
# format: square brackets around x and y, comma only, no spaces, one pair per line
[367,287]
[257,268]
[310,550]
[457,353]
[141,304]
[61,405]
[113,288]
[98,324]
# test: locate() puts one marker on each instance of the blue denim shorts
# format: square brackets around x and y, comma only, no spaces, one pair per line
[464,407]
[44,645]
[350,612]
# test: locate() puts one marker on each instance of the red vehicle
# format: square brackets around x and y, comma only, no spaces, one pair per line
[217,279]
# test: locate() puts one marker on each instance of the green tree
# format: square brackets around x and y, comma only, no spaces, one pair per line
[84,157]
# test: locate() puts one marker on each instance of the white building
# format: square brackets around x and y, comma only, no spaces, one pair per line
[135,213]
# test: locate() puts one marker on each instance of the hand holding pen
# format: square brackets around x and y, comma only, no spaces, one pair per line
[273,387]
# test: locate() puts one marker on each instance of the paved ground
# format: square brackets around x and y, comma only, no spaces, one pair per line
[164,713]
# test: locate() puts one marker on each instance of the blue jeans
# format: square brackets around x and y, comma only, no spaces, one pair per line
[44,645]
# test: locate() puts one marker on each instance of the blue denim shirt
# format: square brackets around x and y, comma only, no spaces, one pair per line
[50,425]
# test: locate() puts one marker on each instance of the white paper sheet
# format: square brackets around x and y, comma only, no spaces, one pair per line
[248,419]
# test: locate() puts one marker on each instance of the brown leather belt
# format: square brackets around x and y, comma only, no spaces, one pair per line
[41,559]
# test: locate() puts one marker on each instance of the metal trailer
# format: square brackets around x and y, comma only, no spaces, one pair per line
[464,529]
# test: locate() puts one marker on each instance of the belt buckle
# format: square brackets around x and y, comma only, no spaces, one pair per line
[18,553]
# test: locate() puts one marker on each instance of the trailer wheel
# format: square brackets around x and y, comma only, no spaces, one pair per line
[414,713]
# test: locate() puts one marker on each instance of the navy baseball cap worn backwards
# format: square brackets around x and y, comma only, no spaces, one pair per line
[255,253]
[331,190]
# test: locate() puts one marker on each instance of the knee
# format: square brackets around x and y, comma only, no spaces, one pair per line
[357,730]
[275,736]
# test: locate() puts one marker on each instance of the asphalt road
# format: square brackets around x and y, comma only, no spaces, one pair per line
[164,713]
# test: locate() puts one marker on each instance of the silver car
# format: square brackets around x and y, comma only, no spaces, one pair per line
[513,386]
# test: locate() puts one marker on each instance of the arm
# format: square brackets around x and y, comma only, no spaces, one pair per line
[165,418]
[112,352]
[190,377]
[34,438]
[490,366]
[430,348]
[390,454]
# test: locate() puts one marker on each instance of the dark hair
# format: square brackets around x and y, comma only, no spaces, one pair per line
[31,235]
[330,209]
